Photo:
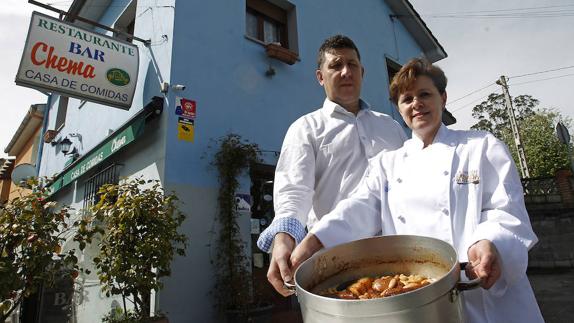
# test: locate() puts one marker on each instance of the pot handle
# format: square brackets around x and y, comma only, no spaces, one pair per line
[470,284]
[290,286]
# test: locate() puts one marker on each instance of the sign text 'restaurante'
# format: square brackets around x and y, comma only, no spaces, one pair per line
[88,37]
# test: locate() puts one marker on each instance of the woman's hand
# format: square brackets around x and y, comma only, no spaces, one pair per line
[484,262]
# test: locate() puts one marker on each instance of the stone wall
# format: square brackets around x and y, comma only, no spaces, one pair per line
[555,230]
[552,218]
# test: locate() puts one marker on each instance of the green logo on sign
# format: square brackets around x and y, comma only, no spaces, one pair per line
[118,77]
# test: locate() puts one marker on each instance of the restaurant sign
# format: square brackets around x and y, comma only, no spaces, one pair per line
[64,58]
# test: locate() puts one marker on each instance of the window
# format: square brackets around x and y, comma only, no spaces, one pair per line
[108,175]
[126,22]
[392,69]
[61,114]
[271,22]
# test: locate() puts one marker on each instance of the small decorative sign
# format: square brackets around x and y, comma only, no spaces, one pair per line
[243,202]
[188,108]
[185,129]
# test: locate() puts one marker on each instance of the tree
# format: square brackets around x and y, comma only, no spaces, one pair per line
[544,153]
[493,117]
[32,232]
[139,225]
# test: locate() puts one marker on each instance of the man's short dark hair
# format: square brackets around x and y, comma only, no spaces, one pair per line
[335,42]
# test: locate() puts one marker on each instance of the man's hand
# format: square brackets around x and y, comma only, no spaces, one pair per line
[305,250]
[280,266]
[484,262]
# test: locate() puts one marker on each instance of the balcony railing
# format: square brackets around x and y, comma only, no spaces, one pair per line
[550,190]
[541,190]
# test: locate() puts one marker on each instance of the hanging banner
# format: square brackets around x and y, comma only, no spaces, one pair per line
[68,59]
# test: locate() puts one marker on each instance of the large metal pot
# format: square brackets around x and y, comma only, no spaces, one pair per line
[437,302]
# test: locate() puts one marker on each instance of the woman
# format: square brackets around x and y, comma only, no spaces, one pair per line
[458,186]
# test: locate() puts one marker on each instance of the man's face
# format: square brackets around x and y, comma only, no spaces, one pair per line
[341,75]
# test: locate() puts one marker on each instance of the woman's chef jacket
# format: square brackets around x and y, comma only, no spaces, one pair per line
[462,188]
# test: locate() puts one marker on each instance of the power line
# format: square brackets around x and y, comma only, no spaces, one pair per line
[546,71]
[502,10]
[505,16]
[508,13]
[471,93]
[471,102]
[540,80]
[511,77]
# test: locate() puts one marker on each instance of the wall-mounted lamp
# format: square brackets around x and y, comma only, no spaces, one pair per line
[65,145]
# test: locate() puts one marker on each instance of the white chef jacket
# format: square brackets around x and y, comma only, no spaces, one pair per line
[323,158]
[462,188]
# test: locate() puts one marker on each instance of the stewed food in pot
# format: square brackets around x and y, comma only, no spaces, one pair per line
[379,287]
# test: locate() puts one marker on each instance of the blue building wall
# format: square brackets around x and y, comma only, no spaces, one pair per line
[224,72]
[95,121]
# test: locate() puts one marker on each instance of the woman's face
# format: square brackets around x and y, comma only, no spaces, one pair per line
[421,107]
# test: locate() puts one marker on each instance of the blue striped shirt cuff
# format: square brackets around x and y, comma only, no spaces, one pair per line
[286,224]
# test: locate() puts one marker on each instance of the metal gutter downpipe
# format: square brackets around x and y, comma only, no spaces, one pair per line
[41,139]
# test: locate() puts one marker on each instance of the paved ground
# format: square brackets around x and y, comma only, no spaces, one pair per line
[554,290]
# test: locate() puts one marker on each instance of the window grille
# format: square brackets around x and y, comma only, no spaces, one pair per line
[108,175]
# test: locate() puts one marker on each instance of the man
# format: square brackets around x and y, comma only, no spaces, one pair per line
[324,154]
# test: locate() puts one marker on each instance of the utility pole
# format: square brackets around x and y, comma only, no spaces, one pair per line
[514,126]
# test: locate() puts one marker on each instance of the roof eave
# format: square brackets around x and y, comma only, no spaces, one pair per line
[89,9]
[409,17]
[27,127]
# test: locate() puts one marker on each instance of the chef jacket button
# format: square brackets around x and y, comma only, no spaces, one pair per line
[445,173]
[401,218]
[399,180]
[445,211]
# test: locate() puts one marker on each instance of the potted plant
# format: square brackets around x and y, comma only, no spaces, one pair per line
[138,224]
[32,232]
[233,285]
